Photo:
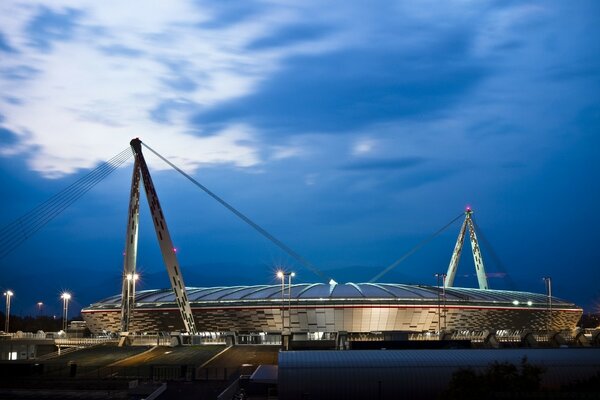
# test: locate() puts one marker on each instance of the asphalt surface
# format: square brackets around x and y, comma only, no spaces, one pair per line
[165,355]
[98,355]
[237,356]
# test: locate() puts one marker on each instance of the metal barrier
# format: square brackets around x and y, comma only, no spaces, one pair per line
[150,340]
[82,341]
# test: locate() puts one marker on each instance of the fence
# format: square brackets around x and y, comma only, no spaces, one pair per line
[82,341]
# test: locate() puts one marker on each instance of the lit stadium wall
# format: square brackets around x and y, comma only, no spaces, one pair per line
[341,307]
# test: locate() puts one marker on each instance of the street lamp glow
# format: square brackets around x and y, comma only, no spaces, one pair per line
[132,277]
[280,274]
[65,297]
[8,295]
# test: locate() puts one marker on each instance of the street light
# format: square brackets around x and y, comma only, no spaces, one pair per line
[441,296]
[65,297]
[131,279]
[39,306]
[548,281]
[8,295]
[130,303]
[281,275]
[290,276]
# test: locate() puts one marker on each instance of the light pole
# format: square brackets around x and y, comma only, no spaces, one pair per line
[290,276]
[441,297]
[65,297]
[39,306]
[8,295]
[131,280]
[548,281]
[281,275]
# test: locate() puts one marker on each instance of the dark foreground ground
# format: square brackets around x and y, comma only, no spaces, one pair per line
[108,371]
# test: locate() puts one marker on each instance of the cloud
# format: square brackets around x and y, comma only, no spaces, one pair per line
[363,146]
[6,138]
[347,89]
[4,45]
[97,75]
[48,26]
[385,164]
[252,77]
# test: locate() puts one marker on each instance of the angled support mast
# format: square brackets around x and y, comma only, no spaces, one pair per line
[130,255]
[479,267]
[164,240]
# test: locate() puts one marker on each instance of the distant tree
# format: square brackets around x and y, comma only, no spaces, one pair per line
[497,378]
[32,324]
[589,320]
[589,385]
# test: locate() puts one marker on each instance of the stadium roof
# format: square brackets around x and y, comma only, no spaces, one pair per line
[345,291]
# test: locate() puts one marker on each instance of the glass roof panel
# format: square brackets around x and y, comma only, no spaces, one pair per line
[318,291]
[373,290]
[241,292]
[265,293]
[345,291]
[403,292]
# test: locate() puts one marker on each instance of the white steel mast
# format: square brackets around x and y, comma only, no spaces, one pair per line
[164,240]
[130,254]
[477,258]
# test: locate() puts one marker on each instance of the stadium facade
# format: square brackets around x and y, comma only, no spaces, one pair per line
[362,308]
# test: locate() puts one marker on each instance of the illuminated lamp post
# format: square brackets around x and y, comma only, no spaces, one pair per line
[290,276]
[548,281]
[441,297]
[281,275]
[8,295]
[39,306]
[131,280]
[65,297]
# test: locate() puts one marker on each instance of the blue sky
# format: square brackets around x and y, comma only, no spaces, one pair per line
[351,132]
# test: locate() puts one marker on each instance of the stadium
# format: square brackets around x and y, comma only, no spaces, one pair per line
[267,313]
[325,309]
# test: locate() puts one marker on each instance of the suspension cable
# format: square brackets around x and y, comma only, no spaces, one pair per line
[490,250]
[19,230]
[244,218]
[73,190]
[414,249]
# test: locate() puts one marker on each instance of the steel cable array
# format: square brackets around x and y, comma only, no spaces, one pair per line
[244,218]
[414,250]
[15,233]
[490,251]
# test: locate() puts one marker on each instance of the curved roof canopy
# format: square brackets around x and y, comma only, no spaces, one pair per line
[345,291]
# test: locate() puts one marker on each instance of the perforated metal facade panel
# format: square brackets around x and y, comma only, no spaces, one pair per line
[343,307]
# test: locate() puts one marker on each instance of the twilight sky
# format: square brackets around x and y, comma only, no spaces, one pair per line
[349,131]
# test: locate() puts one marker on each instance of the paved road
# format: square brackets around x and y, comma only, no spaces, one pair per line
[97,356]
[246,354]
[164,355]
